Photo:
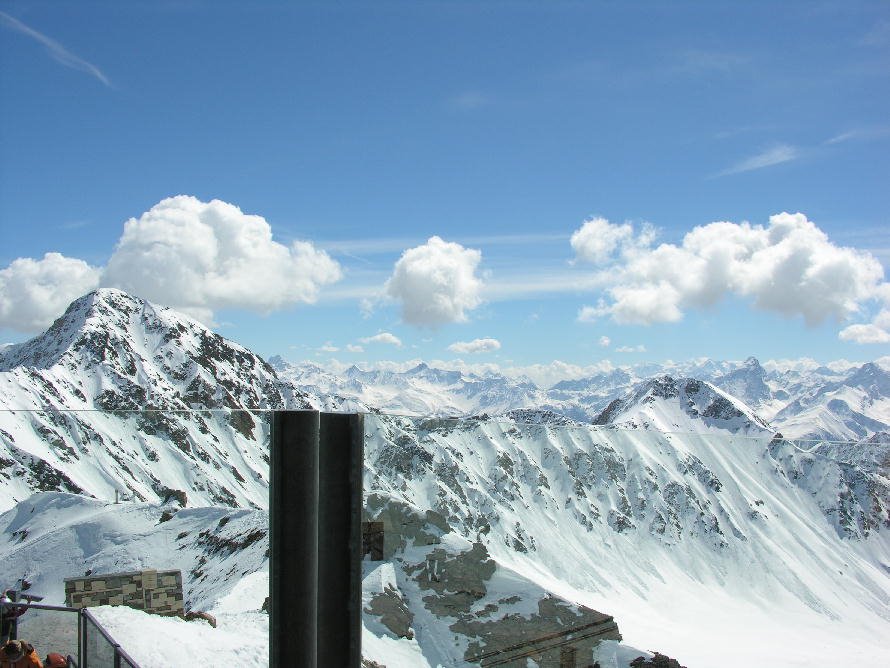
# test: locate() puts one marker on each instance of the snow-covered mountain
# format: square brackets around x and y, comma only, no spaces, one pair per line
[850,408]
[682,513]
[101,404]
[802,400]
[684,405]
[421,390]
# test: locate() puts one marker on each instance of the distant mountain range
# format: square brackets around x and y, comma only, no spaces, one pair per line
[671,497]
[802,400]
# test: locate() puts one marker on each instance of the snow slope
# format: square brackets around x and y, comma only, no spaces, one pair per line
[693,544]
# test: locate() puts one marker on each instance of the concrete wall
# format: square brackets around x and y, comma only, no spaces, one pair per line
[159,592]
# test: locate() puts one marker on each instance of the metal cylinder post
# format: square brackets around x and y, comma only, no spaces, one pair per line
[341,464]
[293,539]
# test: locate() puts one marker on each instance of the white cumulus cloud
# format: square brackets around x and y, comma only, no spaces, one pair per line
[353,348]
[383,337]
[202,256]
[597,240]
[877,331]
[605,341]
[865,333]
[475,346]
[436,283]
[631,349]
[33,293]
[788,267]
[592,313]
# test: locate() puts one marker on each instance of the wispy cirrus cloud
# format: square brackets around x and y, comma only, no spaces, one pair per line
[861,134]
[58,52]
[775,155]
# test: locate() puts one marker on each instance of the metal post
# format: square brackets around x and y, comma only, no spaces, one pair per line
[341,447]
[293,539]
[14,623]
[82,644]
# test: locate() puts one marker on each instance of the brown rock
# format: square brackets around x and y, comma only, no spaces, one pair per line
[206,616]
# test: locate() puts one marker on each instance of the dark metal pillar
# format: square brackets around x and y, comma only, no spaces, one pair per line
[341,464]
[293,539]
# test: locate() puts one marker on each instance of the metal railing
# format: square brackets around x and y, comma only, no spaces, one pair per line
[85,642]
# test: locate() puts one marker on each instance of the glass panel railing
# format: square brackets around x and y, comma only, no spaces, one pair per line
[126,660]
[50,629]
[98,649]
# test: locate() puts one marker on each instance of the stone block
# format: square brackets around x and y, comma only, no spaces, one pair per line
[149,579]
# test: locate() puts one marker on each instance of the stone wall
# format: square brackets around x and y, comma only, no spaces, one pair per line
[159,592]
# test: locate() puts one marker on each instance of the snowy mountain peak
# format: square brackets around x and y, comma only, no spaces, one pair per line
[753,364]
[681,404]
[747,383]
[143,367]
[871,378]
[122,352]
[94,312]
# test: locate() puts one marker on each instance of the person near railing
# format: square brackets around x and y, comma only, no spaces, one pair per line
[55,660]
[19,654]
[9,615]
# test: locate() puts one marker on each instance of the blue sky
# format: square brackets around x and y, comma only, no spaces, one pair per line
[366,129]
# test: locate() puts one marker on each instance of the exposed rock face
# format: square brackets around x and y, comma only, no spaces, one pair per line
[657,661]
[390,606]
[541,636]
[461,592]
